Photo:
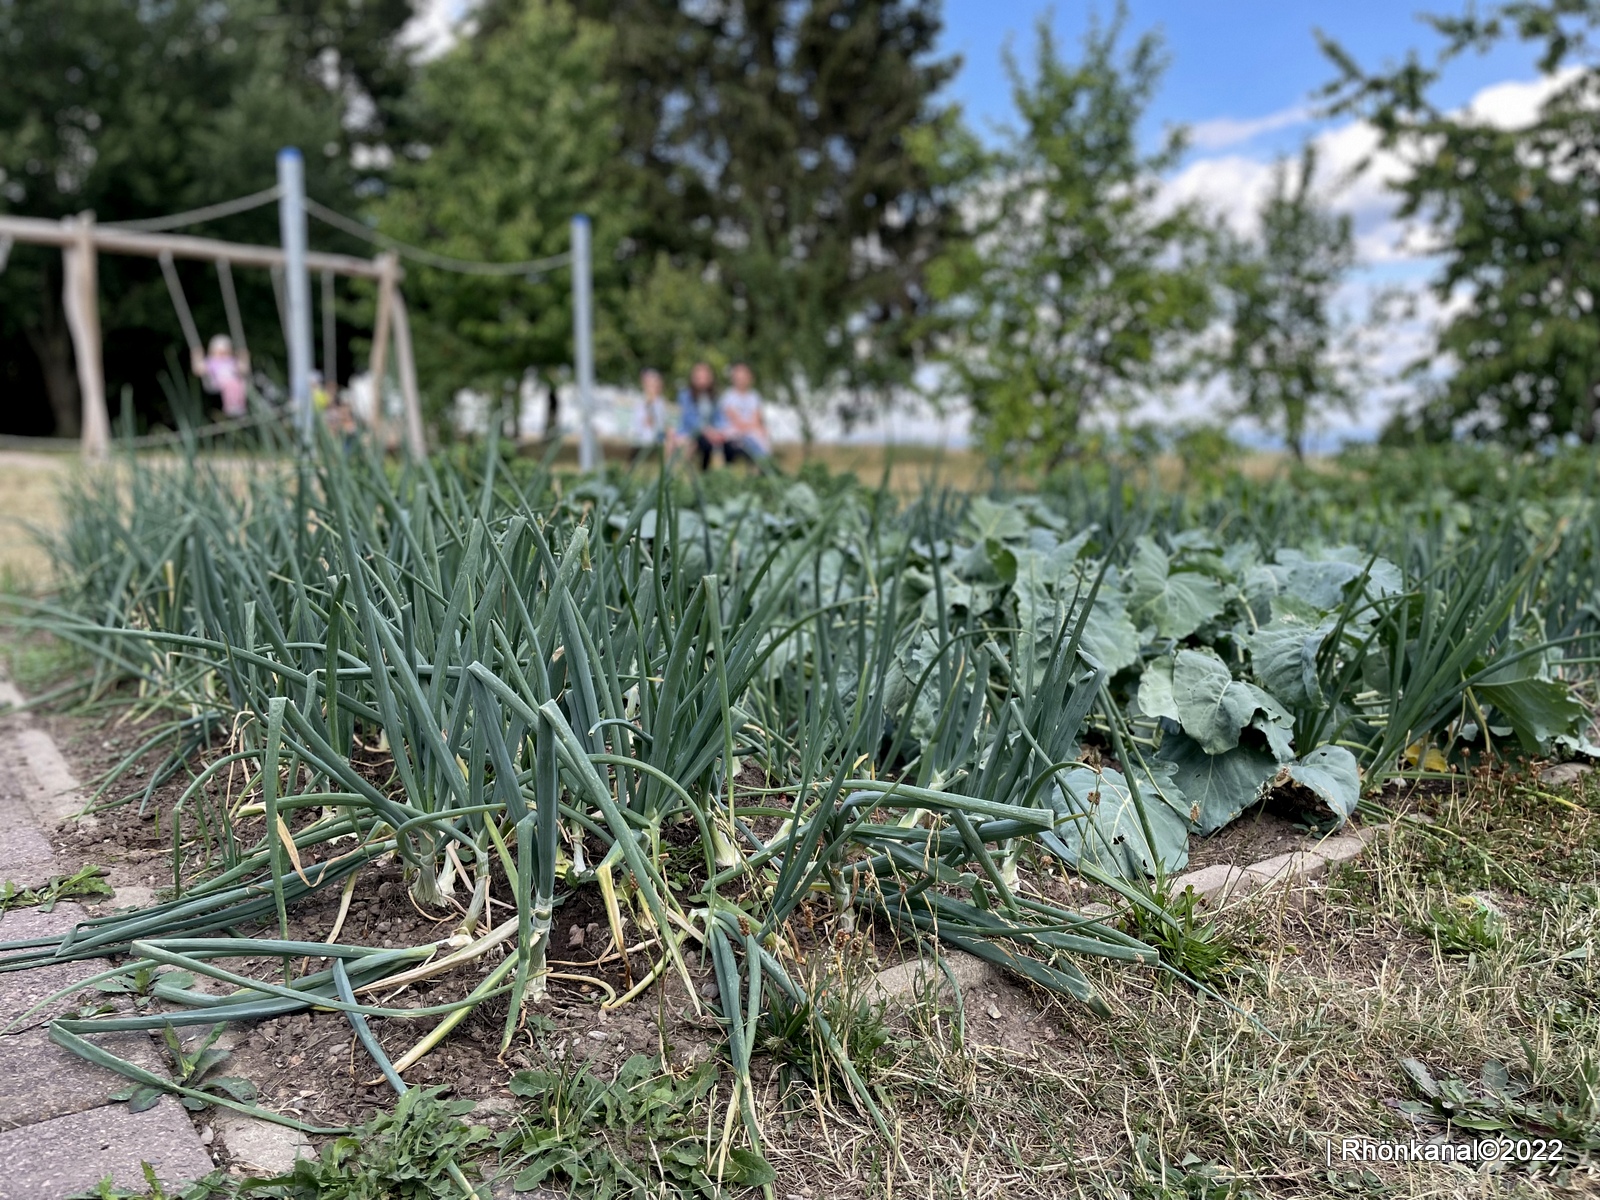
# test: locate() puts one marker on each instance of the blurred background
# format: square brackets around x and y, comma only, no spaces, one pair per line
[1030,235]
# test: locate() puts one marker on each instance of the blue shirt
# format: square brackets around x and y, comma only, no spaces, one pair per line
[697,413]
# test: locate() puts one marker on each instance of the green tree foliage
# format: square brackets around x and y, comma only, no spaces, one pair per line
[516,131]
[132,110]
[1516,214]
[1282,354]
[675,316]
[1076,292]
[779,148]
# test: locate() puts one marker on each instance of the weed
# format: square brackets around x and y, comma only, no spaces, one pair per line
[1187,941]
[90,881]
[1155,1178]
[192,1069]
[639,1136]
[136,984]
[841,996]
[406,1154]
[403,1155]
[1502,1104]
[107,1189]
[1466,925]
[37,664]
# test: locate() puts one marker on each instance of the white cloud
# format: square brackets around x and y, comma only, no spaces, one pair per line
[1230,185]
[1516,102]
[1357,178]
[433,29]
[1221,132]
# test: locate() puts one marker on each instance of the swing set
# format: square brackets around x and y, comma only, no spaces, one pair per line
[82,240]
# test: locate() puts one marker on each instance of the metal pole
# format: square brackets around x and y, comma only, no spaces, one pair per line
[583,342]
[292,223]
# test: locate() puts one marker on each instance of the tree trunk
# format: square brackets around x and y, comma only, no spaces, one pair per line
[52,343]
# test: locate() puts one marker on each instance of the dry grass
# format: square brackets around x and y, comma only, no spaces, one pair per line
[29,487]
[31,484]
[909,468]
[1176,1096]
[912,468]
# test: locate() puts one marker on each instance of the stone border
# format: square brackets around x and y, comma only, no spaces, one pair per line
[1216,885]
[61,1134]
[1564,774]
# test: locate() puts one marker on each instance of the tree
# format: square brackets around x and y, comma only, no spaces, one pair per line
[134,110]
[671,319]
[1515,214]
[1282,354]
[777,146]
[1076,292]
[516,132]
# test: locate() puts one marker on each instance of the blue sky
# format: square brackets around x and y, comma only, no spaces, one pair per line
[1230,59]
[1243,75]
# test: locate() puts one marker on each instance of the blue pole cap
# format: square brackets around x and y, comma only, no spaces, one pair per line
[289,152]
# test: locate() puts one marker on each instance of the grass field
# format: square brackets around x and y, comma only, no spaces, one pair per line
[29,501]
[1177,1096]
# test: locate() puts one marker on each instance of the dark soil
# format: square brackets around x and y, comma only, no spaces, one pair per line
[1256,835]
[311,1065]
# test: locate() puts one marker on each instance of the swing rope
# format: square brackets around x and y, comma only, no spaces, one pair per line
[283,307]
[185,317]
[230,302]
[330,332]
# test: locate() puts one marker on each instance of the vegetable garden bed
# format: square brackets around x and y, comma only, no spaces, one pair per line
[506,701]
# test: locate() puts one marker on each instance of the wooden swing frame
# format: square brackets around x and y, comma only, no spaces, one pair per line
[82,241]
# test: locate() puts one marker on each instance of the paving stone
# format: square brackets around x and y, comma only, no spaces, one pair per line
[54,795]
[134,895]
[1368,833]
[58,1136]
[43,1080]
[20,990]
[909,978]
[62,1157]
[1216,884]
[25,855]
[21,924]
[261,1145]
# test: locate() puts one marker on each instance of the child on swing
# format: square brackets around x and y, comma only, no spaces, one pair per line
[223,372]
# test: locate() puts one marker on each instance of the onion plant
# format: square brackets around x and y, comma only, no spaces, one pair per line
[844,707]
[489,680]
